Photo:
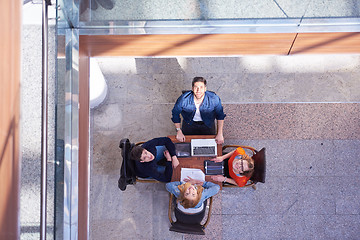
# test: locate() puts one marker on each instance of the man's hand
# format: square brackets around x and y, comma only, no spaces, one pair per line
[175,162]
[219,138]
[167,155]
[180,136]
[217,159]
[218,178]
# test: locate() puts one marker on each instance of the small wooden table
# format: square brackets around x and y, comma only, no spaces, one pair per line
[193,162]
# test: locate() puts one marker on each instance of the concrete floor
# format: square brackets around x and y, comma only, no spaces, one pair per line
[303,109]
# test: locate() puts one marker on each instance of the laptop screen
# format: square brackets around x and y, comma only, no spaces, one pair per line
[183,149]
[203,147]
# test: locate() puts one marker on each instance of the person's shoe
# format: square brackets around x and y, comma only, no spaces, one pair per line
[94,5]
[107,4]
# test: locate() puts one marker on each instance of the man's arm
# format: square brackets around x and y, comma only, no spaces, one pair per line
[168,144]
[176,111]
[177,120]
[173,159]
[219,136]
[220,116]
[160,141]
[171,152]
[179,134]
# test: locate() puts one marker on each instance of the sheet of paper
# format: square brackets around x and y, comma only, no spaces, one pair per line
[194,173]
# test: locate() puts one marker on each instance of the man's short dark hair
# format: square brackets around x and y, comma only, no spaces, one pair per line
[198,79]
[136,152]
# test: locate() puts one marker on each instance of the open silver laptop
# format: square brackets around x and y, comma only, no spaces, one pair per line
[203,147]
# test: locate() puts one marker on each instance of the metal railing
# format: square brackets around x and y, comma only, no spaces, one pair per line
[44,117]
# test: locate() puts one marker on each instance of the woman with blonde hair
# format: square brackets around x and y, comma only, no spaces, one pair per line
[238,167]
[192,193]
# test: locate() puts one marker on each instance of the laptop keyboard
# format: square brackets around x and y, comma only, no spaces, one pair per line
[206,150]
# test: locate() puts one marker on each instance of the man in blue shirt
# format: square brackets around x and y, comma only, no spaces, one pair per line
[156,158]
[199,109]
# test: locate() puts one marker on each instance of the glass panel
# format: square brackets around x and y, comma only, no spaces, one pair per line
[128,10]
[67,135]
[60,136]
[68,13]
[202,17]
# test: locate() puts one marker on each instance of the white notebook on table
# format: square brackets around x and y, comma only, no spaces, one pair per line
[194,173]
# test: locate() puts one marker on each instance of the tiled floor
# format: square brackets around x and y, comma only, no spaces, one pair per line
[303,109]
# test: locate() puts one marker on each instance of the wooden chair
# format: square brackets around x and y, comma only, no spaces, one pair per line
[189,223]
[259,165]
[127,170]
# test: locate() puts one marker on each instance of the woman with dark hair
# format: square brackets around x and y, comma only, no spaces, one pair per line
[192,193]
[238,167]
[155,158]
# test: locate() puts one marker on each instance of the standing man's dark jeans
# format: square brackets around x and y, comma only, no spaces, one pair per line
[197,128]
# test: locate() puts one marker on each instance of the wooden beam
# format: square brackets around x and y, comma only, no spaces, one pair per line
[324,43]
[84,147]
[187,44]
[10,68]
